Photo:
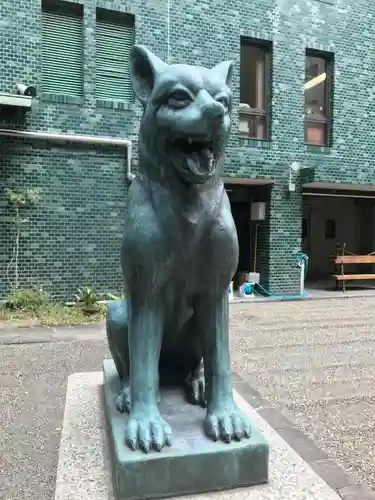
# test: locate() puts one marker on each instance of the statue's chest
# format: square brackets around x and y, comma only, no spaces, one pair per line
[202,248]
[198,236]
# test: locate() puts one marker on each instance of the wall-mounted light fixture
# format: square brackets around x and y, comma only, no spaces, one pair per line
[28,90]
[294,170]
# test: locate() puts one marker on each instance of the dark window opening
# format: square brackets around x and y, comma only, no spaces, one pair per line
[330,229]
[318,98]
[304,229]
[61,7]
[255,77]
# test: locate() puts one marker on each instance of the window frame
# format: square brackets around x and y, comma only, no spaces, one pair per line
[123,20]
[266,47]
[330,229]
[68,9]
[325,120]
[63,7]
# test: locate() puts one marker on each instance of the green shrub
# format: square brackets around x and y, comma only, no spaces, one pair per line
[25,299]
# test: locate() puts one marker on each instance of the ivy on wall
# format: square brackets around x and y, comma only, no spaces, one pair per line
[20,200]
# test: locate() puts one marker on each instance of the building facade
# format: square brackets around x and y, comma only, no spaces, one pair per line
[303,119]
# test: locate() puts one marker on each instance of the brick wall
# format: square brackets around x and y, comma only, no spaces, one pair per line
[74,233]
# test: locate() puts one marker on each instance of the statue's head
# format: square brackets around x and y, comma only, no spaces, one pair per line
[186,120]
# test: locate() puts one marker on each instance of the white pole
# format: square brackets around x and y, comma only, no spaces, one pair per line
[302,277]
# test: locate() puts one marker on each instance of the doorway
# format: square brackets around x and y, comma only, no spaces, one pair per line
[240,201]
[331,222]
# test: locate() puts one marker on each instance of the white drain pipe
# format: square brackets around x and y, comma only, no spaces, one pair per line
[302,278]
[302,266]
[83,139]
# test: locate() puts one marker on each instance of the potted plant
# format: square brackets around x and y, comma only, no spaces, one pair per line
[86,299]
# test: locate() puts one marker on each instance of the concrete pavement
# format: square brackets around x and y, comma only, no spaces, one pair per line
[313,360]
[33,380]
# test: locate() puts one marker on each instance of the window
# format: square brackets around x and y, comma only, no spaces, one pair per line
[304,229]
[255,76]
[330,229]
[62,48]
[318,98]
[114,40]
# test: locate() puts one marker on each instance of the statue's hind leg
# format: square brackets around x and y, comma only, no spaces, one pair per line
[117,335]
[194,383]
[195,387]
[118,342]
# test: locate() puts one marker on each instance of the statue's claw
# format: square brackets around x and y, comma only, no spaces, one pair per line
[148,431]
[227,424]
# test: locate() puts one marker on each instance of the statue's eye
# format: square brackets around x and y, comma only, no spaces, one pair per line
[179,99]
[224,100]
[180,95]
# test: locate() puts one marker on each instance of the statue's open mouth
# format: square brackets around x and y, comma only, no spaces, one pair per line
[195,157]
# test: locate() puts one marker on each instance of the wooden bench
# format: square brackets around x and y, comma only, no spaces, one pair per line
[342,260]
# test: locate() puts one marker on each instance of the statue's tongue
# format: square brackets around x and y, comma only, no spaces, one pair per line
[201,163]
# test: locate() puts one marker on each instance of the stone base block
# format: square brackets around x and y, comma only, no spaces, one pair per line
[84,461]
[193,464]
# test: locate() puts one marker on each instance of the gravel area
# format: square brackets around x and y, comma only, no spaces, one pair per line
[315,361]
[33,380]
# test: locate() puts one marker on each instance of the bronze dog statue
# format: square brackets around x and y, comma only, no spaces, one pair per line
[179,253]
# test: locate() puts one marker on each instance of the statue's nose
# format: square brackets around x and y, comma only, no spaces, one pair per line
[210,108]
[214,110]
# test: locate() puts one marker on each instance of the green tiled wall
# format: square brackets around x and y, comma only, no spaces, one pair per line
[74,233]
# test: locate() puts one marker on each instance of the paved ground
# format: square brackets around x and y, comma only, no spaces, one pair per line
[33,379]
[314,360]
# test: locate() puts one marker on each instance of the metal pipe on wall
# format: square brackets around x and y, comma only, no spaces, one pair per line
[339,195]
[83,139]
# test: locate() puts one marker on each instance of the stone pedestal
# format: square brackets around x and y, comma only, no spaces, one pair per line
[193,464]
[83,471]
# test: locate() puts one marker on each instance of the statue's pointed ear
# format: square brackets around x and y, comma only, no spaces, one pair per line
[224,71]
[144,67]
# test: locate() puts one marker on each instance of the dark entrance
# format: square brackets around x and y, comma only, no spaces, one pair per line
[338,219]
[240,200]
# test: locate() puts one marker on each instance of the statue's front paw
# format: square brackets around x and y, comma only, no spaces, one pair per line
[147,430]
[227,424]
